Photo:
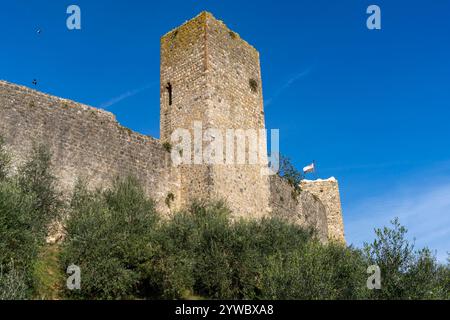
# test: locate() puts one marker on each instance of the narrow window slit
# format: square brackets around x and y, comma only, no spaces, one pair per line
[169,90]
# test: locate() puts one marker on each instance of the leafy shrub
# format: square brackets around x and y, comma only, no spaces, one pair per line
[125,251]
[109,236]
[406,273]
[28,203]
[313,272]
[271,259]
[172,273]
[291,175]
[13,285]
[201,252]
[35,178]
[224,260]
[253,244]
[246,259]
[5,160]
[48,278]
[17,238]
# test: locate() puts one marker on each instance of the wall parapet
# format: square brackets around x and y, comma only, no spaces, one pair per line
[86,142]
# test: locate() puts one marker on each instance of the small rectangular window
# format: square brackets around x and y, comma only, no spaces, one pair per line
[169,91]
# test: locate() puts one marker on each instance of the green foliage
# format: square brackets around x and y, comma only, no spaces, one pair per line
[5,160]
[167,146]
[126,252]
[170,273]
[17,227]
[13,285]
[35,178]
[291,175]
[315,271]
[267,259]
[109,236]
[169,199]
[201,252]
[253,85]
[233,35]
[406,273]
[289,172]
[47,274]
[28,203]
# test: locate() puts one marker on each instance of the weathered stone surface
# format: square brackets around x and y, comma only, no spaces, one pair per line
[327,191]
[303,209]
[209,69]
[215,78]
[85,142]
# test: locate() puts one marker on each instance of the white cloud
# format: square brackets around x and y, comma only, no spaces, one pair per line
[125,95]
[288,83]
[423,208]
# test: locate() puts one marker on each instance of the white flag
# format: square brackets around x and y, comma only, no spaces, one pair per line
[310,168]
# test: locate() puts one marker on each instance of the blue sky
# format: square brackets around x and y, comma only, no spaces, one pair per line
[371,107]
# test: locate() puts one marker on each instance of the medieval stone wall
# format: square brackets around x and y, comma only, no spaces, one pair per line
[208,75]
[85,142]
[302,209]
[327,191]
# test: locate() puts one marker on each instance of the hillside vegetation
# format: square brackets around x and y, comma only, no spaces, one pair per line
[125,251]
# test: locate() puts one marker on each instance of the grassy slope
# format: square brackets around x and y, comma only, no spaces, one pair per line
[48,276]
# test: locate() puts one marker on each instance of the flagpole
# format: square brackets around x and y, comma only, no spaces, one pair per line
[315,169]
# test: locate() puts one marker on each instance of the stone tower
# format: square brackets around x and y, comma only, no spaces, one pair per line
[212,78]
[327,191]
